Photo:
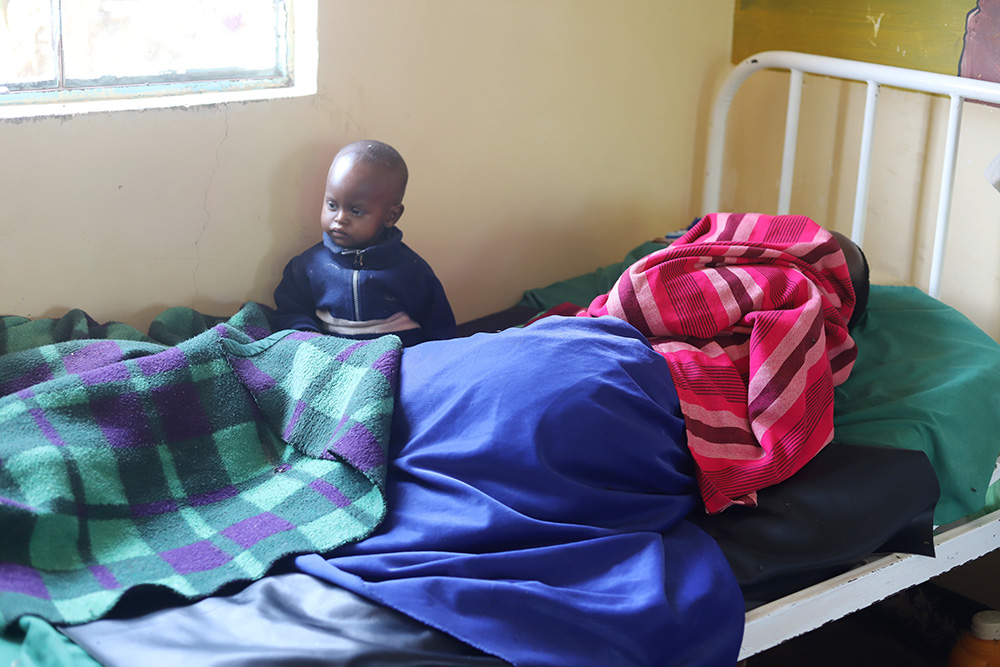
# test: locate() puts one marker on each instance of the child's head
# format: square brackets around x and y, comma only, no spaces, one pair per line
[857,265]
[364,193]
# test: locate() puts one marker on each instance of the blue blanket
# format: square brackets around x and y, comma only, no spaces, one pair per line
[539,483]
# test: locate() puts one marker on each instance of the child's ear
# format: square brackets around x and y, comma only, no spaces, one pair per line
[395,213]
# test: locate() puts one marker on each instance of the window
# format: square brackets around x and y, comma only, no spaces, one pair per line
[56,55]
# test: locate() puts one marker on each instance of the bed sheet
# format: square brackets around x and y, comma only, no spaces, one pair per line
[927,378]
[289,619]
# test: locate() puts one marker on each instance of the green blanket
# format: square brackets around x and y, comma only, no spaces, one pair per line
[190,457]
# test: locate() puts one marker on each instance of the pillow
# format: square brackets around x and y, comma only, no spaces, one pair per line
[926,378]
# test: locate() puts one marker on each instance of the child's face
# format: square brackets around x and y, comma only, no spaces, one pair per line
[361,201]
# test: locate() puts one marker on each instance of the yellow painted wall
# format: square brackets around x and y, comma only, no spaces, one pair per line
[919,34]
[544,138]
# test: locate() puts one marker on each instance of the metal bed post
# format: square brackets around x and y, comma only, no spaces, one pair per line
[791,139]
[944,198]
[865,165]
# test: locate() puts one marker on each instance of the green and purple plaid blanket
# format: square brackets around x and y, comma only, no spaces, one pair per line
[189,458]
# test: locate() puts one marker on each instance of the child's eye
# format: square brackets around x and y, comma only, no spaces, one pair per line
[332,205]
[357,211]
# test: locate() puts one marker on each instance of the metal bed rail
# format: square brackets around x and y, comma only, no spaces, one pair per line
[958,89]
[798,613]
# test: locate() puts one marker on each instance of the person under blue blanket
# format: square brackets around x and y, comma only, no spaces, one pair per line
[539,485]
[361,281]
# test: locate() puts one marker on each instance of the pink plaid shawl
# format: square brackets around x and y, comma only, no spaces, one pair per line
[750,311]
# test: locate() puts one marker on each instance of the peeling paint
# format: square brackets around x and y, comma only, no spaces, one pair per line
[208,213]
[876,22]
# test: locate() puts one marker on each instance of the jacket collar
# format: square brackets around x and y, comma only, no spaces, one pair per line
[379,253]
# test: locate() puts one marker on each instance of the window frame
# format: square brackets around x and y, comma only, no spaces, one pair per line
[299,79]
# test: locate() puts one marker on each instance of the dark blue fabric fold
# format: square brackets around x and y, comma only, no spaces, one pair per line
[538,487]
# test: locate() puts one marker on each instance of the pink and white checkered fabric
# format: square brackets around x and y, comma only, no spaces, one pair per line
[750,311]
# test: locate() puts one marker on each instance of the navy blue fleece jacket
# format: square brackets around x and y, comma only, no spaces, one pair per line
[364,292]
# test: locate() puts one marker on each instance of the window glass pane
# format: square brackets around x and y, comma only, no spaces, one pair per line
[27,51]
[167,40]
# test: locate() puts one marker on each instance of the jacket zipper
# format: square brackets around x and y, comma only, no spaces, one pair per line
[356,286]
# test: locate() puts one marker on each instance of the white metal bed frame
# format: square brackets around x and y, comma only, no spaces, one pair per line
[798,613]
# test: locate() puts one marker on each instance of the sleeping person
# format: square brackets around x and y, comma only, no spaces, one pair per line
[361,281]
[539,476]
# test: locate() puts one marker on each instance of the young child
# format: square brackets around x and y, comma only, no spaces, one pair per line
[361,281]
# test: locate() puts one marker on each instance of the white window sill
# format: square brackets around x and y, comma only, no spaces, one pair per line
[96,105]
[304,65]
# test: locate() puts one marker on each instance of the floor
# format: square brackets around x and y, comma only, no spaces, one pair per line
[915,628]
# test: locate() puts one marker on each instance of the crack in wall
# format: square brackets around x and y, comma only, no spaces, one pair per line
[204,204]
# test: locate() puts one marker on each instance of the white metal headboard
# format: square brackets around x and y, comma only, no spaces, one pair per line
[957,88]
